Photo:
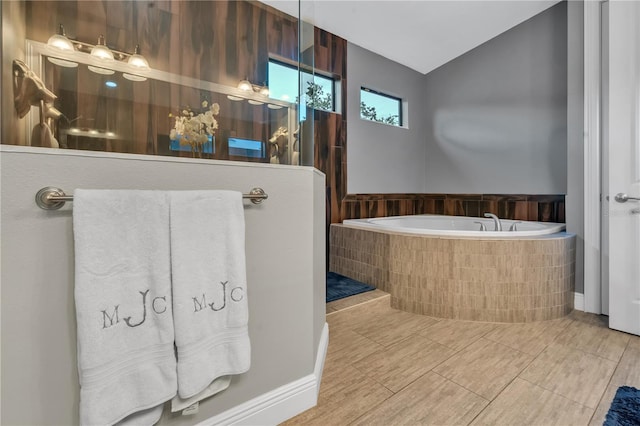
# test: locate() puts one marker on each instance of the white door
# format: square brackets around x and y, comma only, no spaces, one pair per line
[624,165]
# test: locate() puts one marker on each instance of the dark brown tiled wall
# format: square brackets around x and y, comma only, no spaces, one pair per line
[539,208]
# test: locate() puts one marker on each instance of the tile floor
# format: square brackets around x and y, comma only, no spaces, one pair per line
[387,367]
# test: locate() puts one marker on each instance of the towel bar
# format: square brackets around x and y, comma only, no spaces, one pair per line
[52,198]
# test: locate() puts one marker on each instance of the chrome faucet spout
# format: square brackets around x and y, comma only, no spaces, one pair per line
[496,221]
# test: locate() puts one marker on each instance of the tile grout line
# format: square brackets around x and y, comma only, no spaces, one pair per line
[609,382]
[422,331]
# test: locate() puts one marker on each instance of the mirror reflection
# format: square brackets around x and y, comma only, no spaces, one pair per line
[113,111]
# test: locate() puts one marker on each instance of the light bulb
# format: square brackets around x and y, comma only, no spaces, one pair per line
[245,85]
[60,40]
[137,60]
[101,51]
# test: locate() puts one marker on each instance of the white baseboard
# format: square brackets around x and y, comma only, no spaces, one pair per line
[578,301]
[280,404]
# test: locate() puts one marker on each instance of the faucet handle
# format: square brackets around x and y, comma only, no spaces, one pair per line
[482,227]
[514,227]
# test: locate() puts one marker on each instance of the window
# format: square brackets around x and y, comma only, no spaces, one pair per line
[246,148]
[376,106]
[318,90]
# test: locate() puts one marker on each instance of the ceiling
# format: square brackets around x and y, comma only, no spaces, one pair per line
[420,34]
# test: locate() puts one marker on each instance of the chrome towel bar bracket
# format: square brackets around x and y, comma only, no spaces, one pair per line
[52,198]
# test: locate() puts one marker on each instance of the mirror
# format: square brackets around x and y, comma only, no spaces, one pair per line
[159,113]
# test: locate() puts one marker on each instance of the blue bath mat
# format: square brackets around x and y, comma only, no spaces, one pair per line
[339,287]
[625,408]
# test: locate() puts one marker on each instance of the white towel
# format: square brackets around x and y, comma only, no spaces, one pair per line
[126,358]
[210,310]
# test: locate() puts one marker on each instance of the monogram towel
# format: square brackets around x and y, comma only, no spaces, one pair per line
[126,359]
[210,309]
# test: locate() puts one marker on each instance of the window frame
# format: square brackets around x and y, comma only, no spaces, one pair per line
[384,95]
[312,75]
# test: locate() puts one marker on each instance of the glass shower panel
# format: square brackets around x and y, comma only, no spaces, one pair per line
[306,63]
[171,78]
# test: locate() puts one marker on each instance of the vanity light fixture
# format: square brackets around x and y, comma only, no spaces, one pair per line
[61,42]
[137,60]
[245,85]
[102,52]
[133,77]
[137,63]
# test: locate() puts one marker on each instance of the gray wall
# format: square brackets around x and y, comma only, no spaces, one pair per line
[496,117]
[285,250]
[493,120]
[384,158]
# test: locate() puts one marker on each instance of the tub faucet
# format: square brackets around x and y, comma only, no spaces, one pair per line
[482,227]
[496,221]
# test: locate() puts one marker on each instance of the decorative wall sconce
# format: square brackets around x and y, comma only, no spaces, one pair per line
[100,52]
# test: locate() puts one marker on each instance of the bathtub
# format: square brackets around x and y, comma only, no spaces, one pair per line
[456,226]
[445,267]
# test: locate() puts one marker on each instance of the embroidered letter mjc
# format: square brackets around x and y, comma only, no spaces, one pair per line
[144,311]
[158,304]
[236,294]
[113,315]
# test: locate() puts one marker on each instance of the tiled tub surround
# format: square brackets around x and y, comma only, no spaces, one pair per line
[523,280]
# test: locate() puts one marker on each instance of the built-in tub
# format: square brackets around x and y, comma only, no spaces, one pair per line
[456,226]
[460,272]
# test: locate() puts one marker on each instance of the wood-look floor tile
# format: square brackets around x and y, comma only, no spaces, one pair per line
[371,344]
[523,403]
[484,367]
[587,318]
[362,394]
[457,334]
[594,339]
[394,326]
[349,346]
[634,343]
[400,364]
[531,338]
[627,374]
[362,313]
[430,400]
[572,373]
